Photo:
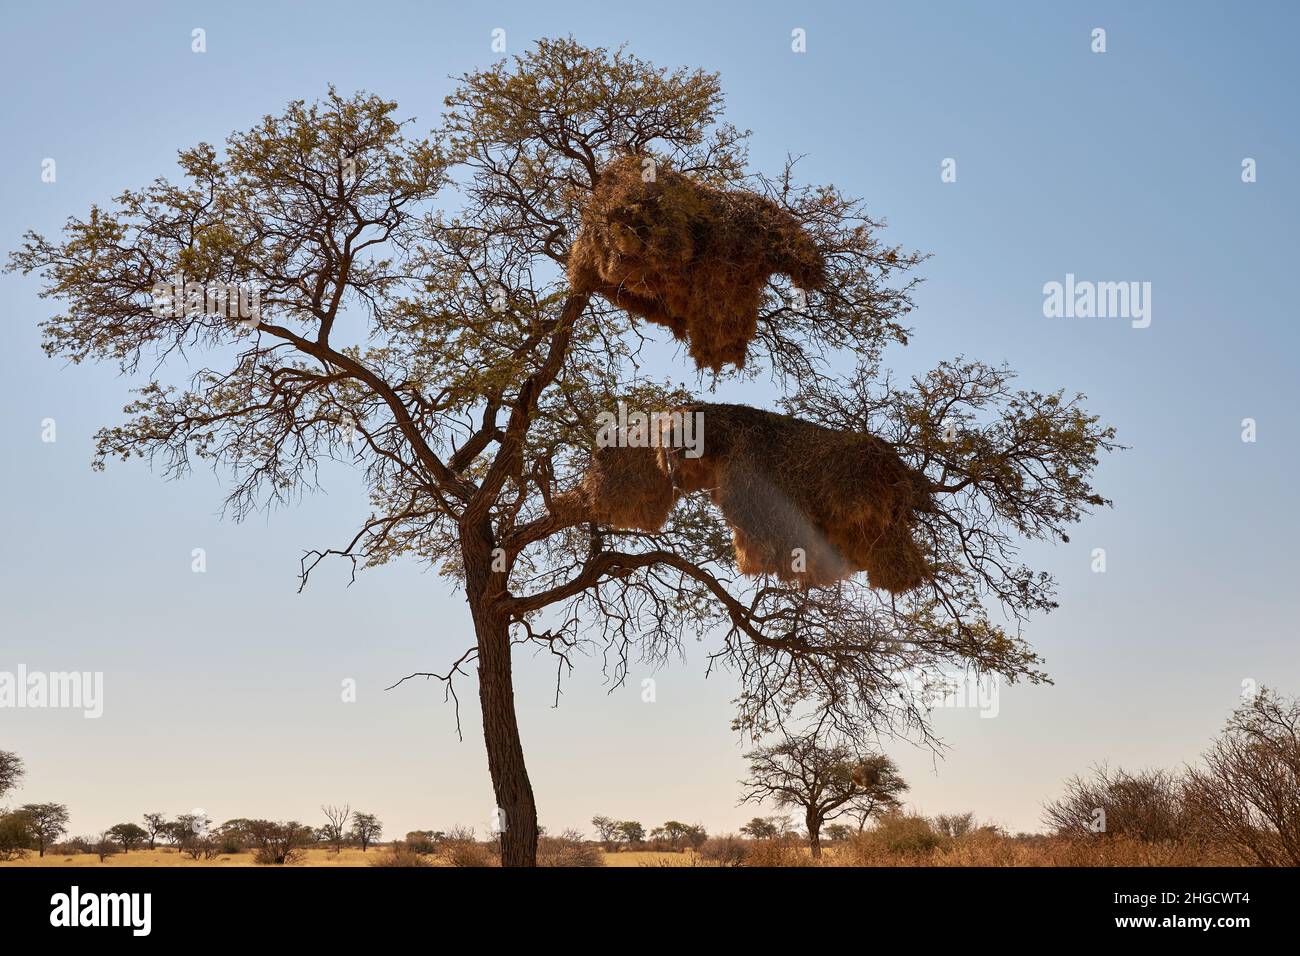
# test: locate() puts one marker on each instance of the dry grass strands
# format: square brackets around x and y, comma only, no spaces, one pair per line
[622,487]
[807,504]
[689,257]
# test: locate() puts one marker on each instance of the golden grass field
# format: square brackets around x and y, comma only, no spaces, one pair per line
[982,850]
[166,856]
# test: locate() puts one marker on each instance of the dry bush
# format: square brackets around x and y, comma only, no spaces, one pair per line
[470,855]
[990,847]
[689,257]
[459,848]
[423,841]
[205,847]
[954,824]
[727,850]
[402,854]
[782,851]
[1148,806]
[895,835]
[277,844]
[568,849]
[1247,793]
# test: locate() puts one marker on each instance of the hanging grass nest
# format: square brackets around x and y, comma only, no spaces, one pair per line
[689,257]
[625,488]
[807,504]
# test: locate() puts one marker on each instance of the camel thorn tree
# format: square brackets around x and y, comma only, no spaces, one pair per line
[414,320]
[824,780]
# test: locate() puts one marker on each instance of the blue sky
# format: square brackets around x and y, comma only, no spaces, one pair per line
[222,689]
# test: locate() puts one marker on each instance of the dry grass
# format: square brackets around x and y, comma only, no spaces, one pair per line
[983,849]
[167,856]
[980,848]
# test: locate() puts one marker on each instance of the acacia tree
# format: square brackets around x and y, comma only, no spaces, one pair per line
[606,829]
[155,824]
[11,771]
[765,828]
[46,822]
[415,322]
[127,834]
[824,781]
[366,828]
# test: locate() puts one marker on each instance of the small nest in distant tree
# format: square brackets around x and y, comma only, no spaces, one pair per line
[808,504]
[689,257]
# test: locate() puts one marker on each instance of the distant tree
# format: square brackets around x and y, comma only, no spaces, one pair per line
[631,831]
[674,833]
[366,829]
[762,828]
[838,832]
[174,832]
[104,845]
[954,825]
[191,834]
[606,829]
[234,833]
[696,836]
[279,843]
[155,825]
[424,841]
[825,782]
[192,823]
[11,771]
[1247,793]
[48,822]
[128,835]
[335,830]
[15,835]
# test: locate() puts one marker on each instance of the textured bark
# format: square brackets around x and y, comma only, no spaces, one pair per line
[505,753]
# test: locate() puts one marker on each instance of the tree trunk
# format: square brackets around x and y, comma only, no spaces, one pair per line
[514,792]
[814,825]
[515,812]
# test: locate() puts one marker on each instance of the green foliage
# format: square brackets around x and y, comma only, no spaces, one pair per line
[416,324]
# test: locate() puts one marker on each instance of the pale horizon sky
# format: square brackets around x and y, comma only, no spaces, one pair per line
[222,690]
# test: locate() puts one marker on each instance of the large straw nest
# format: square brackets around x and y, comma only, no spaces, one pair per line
[689,257]
[805,503]
[625,488]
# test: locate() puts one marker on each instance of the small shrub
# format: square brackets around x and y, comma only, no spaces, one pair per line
[468,855]
[567,849]
[402,854]
[725,850]
[784,851]
[424,841]
[896,838]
